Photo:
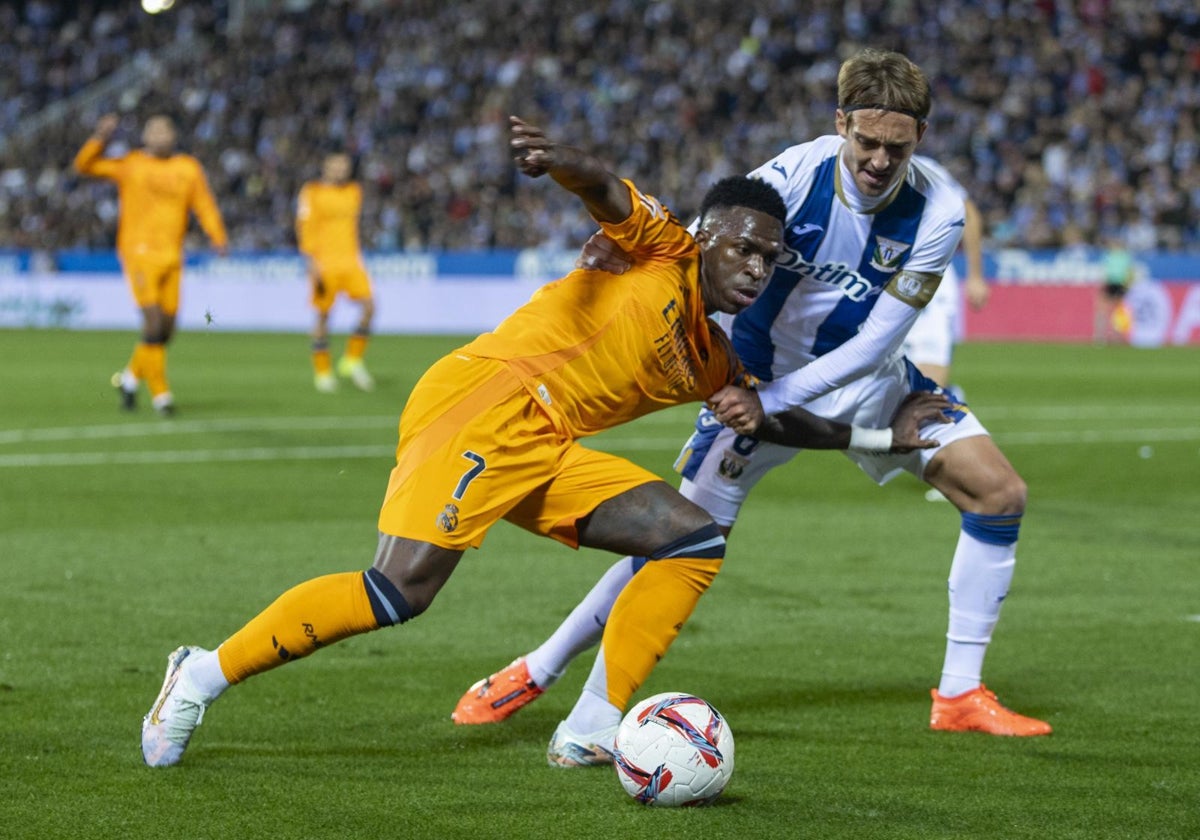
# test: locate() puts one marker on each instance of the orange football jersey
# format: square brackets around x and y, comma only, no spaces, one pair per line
[598,350]
[155,195]
[327,221]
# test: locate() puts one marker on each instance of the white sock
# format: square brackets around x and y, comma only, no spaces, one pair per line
[129,382]
[592,710]
[204,672]
[979,579]
[582,629]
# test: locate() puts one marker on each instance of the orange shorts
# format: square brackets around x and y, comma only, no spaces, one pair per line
[475,447]
[154,279]
[347,277]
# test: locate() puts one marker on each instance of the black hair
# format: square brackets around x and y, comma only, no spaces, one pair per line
[740,191]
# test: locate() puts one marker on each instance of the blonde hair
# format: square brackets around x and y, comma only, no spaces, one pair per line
[883,80]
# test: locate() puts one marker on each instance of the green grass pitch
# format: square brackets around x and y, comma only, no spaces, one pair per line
[122,536]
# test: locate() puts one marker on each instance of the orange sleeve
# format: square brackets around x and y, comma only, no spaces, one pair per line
[726,366]
[651,230]
[304,220]
[205,208]
[91,161]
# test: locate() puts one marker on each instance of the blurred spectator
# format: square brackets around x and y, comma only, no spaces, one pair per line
[1082,113]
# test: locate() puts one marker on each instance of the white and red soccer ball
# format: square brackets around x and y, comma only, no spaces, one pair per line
[674,750]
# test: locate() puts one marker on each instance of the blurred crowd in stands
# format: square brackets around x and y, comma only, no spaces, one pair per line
[1067,120]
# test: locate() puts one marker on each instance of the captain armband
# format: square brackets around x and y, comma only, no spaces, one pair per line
[870,440]
[915,288]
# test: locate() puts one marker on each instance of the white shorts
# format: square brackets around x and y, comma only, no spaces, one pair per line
[931,339]
[720,467]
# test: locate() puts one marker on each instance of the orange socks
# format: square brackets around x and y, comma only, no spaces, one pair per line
[356,345]
[647,617]
[149,364]
[137,362]
[308,616]
[322,363]
[154,361]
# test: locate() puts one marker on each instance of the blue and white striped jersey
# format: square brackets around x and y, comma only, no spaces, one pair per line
[836,264]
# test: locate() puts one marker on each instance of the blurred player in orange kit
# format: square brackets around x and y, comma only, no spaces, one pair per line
[157,187]
[327,214]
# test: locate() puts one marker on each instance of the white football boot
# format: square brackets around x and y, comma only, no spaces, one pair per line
[568,749]
[176,712]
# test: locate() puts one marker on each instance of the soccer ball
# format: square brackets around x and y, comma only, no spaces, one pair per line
[674,750]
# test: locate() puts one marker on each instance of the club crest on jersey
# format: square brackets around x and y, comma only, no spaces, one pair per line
[732,466]
[888,254]
[447,520]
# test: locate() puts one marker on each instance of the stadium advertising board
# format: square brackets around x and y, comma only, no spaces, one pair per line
[1052,296]
[1036,296]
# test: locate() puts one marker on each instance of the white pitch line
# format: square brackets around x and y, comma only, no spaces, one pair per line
[184,427]
[1068,436]
[197,456]
[1088,412]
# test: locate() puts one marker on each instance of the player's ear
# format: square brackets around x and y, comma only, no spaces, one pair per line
[702,236]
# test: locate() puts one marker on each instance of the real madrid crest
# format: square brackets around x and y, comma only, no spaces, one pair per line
[447,520]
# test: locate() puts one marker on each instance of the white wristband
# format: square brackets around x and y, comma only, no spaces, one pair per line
[870,440]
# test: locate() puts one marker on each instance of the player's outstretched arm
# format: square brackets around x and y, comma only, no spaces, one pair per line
[800,428]
[604,195]
[204,205]
[90,160]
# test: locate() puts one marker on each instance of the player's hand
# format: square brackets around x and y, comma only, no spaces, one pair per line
[918,409]
[738,408]
[977,291]
[106,126]
[534,151]
[603,254]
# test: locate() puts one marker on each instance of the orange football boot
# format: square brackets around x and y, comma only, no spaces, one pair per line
[978,710]
[495,698]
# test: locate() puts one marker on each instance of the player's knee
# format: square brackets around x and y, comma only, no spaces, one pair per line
[996,493]
[1008,497]
[1018,493]
[419,601]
